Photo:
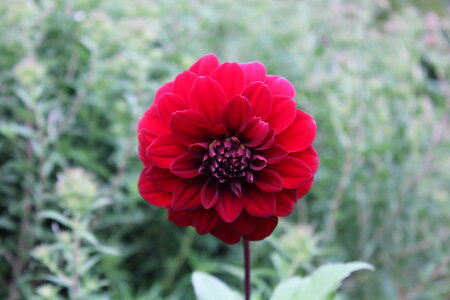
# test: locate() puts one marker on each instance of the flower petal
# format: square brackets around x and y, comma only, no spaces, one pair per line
[245,224]
[231,78]
[260,98]
[204,221]
[254,133]
[226,234]
[309,156]
[286,200]
[151,193]
[280,86]
[236,114]
[263,229]
[198,149]
[162,178]
[190,127]
[151,122]
[229,205]
[180,218]
[258,203]
[282,114]
[253,71]
[164,149]
[293,172]
[186,166]
[205,65]
[165,88]
[301,191]
[183,84]
[167,104]
[268,140]
[187,194]
[207,97]
[274,154]
[145,139]
[268,180]
[209,194]
[299,135]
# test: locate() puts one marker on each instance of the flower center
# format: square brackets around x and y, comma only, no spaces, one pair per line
[227,160]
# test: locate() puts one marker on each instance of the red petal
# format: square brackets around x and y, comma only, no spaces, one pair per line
[263,229]
[225,233]
[205,65]
[204,221]
[183,84]
[268,140]
[309,156]
[268,180]
[293,172]
[145,139]
[186,166]
[151,193]
[258,203]
[305,188]
[299,135]
[207,97]
[286,200]
[163,178]
[151,122]
[229,206]
[274,154]
[280,86]
[236,113]
[254,133]
[164,150]
[260,98]
[198,149]
[230,77]
[187,194]
[209,194]
[180,218]
[245,224]
[165,88]
[167,104]
[190,127]
[253,71]
[282,114]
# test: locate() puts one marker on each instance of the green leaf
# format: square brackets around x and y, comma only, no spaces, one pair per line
[207,287]
[56,216]
[318,286]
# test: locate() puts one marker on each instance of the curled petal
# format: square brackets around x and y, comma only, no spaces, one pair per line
[254,133]
[205,65]
[299,135]
[274,154]
[190,127]
[165,88]
[268,180]
[204,221]
[253,71]
[151,122]
[258,162]
[280,86]
[187,195]
[230,77]
[183,84]
[286,200]
[309,156]
[293,172]
[186,166]
[209,194]
[268,140]
[282,114]
[145,139]
[151,193]
[229,206]
[167,104]
[207,97]
[162,178]
[236,114]
[263,229]
[260,98]
[164,150]
[258,203]
[198,149]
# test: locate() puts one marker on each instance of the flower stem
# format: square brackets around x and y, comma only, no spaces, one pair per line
[247,285]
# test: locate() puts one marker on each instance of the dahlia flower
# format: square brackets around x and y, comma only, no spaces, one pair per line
[225,150]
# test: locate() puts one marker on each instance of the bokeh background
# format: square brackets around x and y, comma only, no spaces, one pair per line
[75,76]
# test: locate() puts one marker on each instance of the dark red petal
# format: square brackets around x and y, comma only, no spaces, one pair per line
[226,233]
[183,84]
[253,71]
[190,127]
[258,162]
[163,178]
[187,194]
[164,150]
[258,203]
[254,133]
[205,65]
[245,224]
[145,139]
[165,88]
[198,149]
[186,166]
[231,78]
[293,172]
[268,180]
[301,191]
[180,218]
[274,154]
[263,229]
[151,193]
[268,140]
[204,221]
[282,114]
[207,97]
[151,122]
[209,194]
[299,135]
[169,103]
[286,200]
[309,156]
[280,86]
[229,206]
[236,187]
[260,98]
[236,114]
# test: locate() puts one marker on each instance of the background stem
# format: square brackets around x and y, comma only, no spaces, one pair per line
[247,284]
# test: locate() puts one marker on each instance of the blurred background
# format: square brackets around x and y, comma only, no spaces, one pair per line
[75,77]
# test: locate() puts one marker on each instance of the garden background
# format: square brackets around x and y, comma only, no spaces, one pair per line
[75,76]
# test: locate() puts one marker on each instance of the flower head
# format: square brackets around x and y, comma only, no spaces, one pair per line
[225,150]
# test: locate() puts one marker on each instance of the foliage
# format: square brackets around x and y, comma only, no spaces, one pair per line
[75,76]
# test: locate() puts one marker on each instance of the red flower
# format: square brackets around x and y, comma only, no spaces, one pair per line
[225,150]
